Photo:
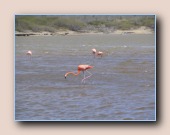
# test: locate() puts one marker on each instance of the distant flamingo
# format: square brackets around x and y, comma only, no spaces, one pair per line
[80,68]
[100,53]
[94,52]
[29,53]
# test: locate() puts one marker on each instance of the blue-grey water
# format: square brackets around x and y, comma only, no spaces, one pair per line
[122,86]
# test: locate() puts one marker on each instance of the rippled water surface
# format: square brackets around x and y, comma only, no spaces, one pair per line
[122,86]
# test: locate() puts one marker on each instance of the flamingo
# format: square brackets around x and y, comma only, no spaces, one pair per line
[100,53]
[94,51]
[29,53]
[80,68]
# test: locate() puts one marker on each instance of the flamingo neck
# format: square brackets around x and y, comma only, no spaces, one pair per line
[78,72]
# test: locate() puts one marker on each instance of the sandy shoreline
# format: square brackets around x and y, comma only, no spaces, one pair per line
[141,30]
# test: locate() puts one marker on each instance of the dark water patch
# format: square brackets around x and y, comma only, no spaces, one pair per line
[144,108]
[128,119]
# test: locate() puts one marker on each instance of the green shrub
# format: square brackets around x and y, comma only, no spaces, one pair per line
[75,23]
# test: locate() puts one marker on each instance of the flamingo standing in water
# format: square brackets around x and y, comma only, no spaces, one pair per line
[100,53]
[94,52]
[80,68]
[29,53]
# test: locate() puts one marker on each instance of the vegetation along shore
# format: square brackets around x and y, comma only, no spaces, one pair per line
[50,25]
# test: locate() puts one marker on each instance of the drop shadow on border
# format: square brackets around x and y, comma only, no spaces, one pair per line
[115,123]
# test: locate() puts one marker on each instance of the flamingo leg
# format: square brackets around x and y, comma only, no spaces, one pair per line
[84,76]
[83,80]
[29,57]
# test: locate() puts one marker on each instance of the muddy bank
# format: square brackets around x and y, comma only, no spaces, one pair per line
[141,30]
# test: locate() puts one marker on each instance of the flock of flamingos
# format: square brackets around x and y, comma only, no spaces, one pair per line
[81,68]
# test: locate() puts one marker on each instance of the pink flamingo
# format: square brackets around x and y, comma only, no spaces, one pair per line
[29,54]
[94,52]
[80,68]
[100,53]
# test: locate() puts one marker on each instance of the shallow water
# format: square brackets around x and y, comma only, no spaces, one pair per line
[122,86]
